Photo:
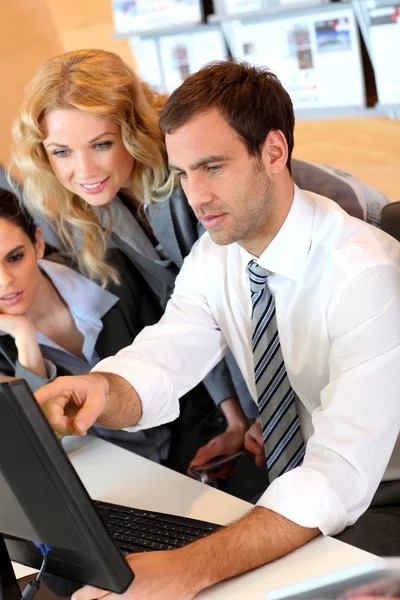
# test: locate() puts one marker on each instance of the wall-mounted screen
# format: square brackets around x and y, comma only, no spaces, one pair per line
[139,16]
[239,7]
[146,53]
[236,7]
[315,55]
[385,42]
[185,53]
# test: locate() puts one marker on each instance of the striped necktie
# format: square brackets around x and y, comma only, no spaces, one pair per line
[284,447]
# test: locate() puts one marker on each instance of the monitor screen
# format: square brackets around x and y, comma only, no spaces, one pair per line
[315,55]
[44,501]
[147,56]
[165,62]
[247,7]
[185,53]
[385,42]
[140,16]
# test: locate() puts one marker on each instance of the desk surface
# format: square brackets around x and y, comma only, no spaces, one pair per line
[116,475]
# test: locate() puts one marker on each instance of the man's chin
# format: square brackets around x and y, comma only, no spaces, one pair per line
[222,238]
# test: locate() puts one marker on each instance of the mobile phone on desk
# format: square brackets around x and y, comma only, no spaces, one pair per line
[201,472]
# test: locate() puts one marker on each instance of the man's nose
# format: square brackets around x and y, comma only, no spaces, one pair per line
[197,193]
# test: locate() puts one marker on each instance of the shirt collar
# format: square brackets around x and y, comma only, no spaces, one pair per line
[287,254]
[87,301]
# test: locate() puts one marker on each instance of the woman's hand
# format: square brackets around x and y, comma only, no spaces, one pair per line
[24,334]
[227,443]
[18,326]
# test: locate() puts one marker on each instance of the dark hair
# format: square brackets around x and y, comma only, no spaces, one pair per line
[251,99]
[12,210]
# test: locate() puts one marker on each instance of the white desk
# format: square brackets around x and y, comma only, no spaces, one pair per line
[115,475]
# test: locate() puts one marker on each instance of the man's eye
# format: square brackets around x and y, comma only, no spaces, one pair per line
[214,169]
[182,175]
[16,257]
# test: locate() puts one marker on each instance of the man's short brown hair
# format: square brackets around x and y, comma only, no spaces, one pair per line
[251,99]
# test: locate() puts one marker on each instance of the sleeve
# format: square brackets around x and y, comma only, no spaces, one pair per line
[357,425]
[219,383]
[35,381]
[168,359]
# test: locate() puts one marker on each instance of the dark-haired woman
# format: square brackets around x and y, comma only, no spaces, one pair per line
[54,321]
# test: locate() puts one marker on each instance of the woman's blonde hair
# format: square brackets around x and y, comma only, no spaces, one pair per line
[98,82]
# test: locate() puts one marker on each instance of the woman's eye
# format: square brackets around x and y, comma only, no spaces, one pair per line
[182,175]
[16,257]
[60,153]
[103,145]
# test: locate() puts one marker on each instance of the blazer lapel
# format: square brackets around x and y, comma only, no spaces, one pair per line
[160,217]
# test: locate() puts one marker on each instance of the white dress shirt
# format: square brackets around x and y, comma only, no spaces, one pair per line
[336,283]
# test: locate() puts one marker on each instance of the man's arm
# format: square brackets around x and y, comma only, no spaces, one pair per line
[73,404]
[260,537]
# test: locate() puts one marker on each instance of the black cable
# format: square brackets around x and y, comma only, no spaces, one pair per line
[33,586]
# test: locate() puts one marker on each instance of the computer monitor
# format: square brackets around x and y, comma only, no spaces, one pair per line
[385,42]
[139,16]
[42,500]
[315,53]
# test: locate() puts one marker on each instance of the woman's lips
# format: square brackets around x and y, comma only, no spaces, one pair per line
[11,299]
[94,188]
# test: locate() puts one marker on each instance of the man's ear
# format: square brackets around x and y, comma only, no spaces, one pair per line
[275,152]
[39,244]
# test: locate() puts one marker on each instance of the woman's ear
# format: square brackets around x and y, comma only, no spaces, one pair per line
[39,244]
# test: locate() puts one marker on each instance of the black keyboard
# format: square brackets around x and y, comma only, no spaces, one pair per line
[135,530]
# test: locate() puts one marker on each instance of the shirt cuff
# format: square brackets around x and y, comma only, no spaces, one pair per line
[306,497]
[159,402]
[36,381]
[51,369]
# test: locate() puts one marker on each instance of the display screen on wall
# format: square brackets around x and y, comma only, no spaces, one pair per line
[165,62]
[146,53]
[145,15]
[184,54]
[385,41]
[238,7]
[235,7]
[315,55]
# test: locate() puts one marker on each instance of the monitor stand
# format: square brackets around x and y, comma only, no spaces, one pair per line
[9,589]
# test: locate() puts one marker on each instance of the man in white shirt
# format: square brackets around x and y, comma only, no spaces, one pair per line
[335,283]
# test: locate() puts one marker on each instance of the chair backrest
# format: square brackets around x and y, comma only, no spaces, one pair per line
[390,219]
[354,196]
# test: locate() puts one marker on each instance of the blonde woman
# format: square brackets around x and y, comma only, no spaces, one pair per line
[91,158]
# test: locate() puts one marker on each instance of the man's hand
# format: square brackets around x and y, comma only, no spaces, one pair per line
[73,404]
[258,538]
[158,576]
[254,443]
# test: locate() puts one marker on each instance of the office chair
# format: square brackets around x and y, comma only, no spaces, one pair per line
[390,219]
